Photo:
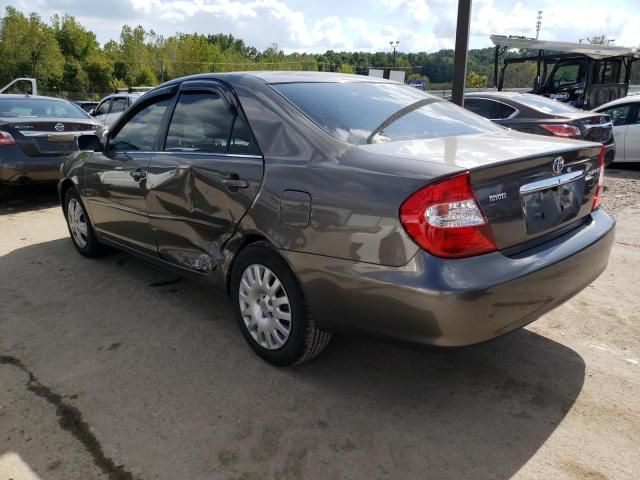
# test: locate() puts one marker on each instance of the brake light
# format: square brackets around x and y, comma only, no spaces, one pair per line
[563,130]
[6,138]
[597,198]
[444,219]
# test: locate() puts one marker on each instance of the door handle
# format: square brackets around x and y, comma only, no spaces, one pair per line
[234,183]
[138,174]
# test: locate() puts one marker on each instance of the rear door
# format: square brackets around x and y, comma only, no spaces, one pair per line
[115,183]
[204,178]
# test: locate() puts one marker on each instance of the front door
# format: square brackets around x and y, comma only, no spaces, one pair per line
[115,183]
[204,178]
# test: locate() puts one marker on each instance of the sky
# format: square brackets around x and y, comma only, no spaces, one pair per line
[353,25]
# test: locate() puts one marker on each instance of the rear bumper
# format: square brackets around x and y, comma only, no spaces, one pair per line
[454,302]
[17,168]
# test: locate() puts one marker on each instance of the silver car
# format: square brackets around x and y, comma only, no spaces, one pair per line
[625,115]
[324,203]
[112,106]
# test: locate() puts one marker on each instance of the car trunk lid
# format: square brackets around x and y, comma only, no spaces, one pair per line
[527,186]
[47,137]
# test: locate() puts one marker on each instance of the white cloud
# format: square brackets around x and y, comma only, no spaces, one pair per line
[417,9]
[419,25]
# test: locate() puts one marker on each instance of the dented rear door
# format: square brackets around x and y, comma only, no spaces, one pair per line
[205,177]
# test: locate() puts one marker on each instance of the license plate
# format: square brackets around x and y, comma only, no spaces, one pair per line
[553,206]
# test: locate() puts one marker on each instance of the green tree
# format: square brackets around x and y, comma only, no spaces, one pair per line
[99,72]
[28,47]
[475,80]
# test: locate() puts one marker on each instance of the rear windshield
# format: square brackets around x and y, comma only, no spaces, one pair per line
[39,108]
[351,111]
[544,104]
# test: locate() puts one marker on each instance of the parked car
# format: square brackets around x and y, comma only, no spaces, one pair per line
[625,115]
[86,105]
[36,134]
[112,106]
[530,113]
[325,203]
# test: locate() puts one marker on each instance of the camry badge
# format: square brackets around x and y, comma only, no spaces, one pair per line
[558,165]
[59,127]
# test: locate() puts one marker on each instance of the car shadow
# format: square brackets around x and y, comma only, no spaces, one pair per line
[162,376]
[27,198]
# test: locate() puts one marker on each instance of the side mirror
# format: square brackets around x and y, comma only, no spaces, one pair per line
[92,112]
[89,143]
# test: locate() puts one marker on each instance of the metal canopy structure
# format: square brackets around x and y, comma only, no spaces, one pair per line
[597,52]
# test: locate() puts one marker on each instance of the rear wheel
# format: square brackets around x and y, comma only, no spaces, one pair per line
[271,310]
[80,229]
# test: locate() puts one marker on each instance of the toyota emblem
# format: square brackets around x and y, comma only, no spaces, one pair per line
[59,127]
[558,165]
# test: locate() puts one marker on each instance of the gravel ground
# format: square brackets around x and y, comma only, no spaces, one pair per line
[110,369]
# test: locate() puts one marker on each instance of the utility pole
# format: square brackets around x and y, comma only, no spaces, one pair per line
[460,55]
[394,45]
[538,24]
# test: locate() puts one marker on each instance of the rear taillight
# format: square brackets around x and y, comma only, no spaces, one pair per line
[444,218]
[6,138]
[563,130]
[597,198]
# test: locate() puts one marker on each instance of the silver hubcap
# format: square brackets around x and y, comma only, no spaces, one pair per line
[265,307]
[77,222]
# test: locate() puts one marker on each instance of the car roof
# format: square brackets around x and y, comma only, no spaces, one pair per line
[30,97]
[633,98]
[124,94]
[274,77]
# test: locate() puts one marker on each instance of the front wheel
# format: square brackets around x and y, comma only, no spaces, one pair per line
[271,310]
[80,229]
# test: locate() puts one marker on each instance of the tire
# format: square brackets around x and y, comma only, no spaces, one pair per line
[80,228]
[261,308]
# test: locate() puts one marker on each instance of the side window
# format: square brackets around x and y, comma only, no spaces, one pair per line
[567,74]
[119,104]
[242,142]
[141,130]
[619,114]
[507,110]
[485,108]
[201,122]
[103,108]
[637,114]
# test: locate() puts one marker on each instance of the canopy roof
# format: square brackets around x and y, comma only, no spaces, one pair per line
[587,49]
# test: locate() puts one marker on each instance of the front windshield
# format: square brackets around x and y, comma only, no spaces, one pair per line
[39,108]
[351,111]
[545,105]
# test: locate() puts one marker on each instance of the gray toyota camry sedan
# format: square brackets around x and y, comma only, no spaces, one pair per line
[323,203]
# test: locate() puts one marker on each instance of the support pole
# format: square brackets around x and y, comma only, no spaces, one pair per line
[462,47]
[496,59]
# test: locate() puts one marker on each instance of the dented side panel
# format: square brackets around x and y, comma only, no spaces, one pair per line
[195,200]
